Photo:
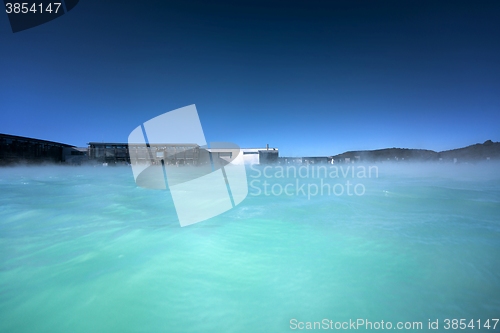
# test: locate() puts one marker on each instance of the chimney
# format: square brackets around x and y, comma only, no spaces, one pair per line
[267,146]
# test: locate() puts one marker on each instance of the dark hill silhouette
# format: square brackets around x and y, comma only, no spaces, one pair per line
[474,152]
[477,152]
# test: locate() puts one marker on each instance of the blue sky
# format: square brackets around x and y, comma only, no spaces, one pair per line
[308,77]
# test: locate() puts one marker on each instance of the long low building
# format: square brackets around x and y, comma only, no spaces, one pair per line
[18,149]
[178,154]
[107,152]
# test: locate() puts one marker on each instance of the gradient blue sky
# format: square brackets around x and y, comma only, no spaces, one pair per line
[308,77]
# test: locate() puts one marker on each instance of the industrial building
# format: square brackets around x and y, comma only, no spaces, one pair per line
[316,160]
[260,155]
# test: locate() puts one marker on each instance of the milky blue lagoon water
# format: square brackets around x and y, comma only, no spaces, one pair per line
[84,249]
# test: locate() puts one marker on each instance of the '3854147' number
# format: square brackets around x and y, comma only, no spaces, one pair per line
[25,7]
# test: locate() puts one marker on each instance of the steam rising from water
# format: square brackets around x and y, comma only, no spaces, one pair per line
[84,249]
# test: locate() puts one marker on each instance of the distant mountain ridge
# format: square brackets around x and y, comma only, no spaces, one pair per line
[476,152]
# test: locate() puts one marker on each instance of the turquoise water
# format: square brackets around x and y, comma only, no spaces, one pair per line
[85,250]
